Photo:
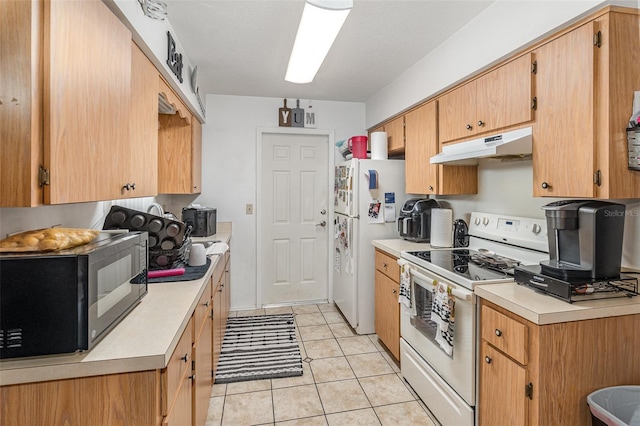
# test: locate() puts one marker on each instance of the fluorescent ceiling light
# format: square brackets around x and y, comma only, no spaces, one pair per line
[319,26]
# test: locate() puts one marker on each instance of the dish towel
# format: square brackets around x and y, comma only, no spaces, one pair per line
[405,283]
[442,313]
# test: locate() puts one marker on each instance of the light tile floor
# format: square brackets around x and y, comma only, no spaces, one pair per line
[348,379]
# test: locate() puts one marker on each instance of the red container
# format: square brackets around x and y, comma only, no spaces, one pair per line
[358,146]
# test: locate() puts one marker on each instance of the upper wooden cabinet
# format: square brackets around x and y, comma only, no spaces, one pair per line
[179,148]
[585,82]
[65,103]
[421,143]
[143,125]
[498,99]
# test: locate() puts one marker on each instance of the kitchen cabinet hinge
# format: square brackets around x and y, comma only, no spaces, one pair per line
[597,39]
[528,391]
[534,67]
[597,178]
[534,103]
[193,366]
[43,177]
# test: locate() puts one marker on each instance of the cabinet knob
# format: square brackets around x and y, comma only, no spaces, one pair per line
[498,332]
[206,305]
[192,377]
[545,185]
[480,123]
[129,186]
[487,359]
[185,358]
[384,265]
[430,188]
[394,291]
[469,127]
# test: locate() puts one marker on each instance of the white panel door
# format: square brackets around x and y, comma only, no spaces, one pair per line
[294,218]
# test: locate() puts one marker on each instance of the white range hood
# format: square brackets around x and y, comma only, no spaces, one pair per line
[507,144]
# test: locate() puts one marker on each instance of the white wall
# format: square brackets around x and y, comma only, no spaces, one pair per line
[229,169]
[503,28]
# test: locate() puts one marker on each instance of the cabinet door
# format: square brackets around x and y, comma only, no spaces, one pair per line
[387,313]
[421,143]
[196,156]
[504,96]
[217,331]
[395,135]
[457,113]
[20,122]
[87,80]
[563,145]
[502,389]
[181,414]
[144,126]
[203,371]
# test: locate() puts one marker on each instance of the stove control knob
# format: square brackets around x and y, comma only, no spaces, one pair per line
[536,228]
[477,221]
[485,221]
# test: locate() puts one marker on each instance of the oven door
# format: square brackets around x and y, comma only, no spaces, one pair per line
[458,369]
[117,280]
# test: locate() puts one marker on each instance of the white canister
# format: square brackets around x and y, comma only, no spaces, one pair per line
[441,228]
[379,146]
[197,255]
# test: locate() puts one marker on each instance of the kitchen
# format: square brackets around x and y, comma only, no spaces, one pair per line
[241,115]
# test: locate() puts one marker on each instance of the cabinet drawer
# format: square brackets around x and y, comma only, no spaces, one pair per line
[177,367]
[388,265]
[505,334]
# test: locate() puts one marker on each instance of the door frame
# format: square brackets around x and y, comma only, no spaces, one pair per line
[259,196]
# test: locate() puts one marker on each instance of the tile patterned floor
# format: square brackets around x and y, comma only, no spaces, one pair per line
[348,379]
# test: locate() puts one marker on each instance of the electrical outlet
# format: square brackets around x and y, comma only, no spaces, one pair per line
[249,208]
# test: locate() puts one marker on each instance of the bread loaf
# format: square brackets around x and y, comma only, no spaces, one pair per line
[48,239]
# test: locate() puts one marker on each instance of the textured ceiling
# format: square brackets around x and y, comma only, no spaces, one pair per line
[242,47]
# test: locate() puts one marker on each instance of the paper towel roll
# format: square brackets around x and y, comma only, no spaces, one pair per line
[441,228]
[379,146]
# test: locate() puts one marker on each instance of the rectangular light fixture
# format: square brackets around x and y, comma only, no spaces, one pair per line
[319,26]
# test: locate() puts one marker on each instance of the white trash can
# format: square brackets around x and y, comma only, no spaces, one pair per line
[615,406]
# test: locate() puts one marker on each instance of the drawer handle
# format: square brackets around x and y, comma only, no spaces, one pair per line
[185,358]
[498,332]
[487,359]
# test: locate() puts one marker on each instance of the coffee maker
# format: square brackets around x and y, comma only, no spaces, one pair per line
[585,239]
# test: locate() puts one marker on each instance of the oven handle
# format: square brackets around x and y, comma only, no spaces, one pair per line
[457,292]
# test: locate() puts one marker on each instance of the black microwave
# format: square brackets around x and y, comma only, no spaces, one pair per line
[67,301]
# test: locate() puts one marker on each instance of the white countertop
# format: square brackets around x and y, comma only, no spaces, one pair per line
[144,340]
[543,309]
[395,246]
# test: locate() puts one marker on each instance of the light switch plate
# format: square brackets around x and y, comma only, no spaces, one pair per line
[249,209]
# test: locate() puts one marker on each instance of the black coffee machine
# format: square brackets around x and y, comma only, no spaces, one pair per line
[585,250]
[585,239]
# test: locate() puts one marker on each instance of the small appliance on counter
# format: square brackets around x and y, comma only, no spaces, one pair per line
[202,219]
[585,252]
[414,223]
[66,301]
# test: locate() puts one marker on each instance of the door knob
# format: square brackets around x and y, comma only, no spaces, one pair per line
[322,224]
[323,212]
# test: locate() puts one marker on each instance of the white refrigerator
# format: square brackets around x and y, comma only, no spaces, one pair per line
[368,196]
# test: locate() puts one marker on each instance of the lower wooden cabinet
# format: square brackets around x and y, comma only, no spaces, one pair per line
[387,308]
[542,374]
